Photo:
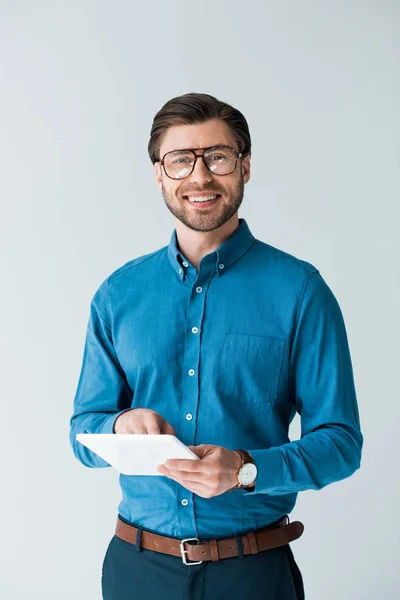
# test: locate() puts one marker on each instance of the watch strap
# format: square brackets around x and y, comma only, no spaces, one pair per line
[246,457]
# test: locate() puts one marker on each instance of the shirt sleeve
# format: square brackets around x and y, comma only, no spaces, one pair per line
[323,391]
[103,392]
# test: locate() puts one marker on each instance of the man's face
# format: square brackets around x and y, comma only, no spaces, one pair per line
[229,188]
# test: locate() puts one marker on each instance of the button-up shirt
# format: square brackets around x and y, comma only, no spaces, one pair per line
[227,355]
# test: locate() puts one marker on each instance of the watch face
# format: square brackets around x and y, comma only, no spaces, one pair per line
[247,474]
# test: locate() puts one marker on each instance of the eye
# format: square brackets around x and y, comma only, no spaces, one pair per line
[219,157]
[181,161]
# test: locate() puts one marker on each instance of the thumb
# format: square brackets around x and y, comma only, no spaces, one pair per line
[199,450]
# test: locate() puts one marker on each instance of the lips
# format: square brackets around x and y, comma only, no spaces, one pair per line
[201,195]
[203,205]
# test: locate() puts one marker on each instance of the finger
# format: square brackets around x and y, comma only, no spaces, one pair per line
[183,464]
[152,424]
[139,428]
[153,429]
[182,477]
[168,429]
[202,449]
[184,481]
[196,488]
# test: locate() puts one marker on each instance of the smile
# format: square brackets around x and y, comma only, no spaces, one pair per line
[202,200]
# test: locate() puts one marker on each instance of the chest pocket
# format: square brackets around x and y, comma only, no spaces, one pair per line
[249,367]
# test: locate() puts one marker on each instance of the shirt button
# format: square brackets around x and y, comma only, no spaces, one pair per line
[191,372]
[180,270]
[185,264]
[199,290]
[194,330]
[189,417]
[221,266]
[184,502]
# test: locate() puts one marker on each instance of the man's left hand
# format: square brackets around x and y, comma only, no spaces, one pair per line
[212,475]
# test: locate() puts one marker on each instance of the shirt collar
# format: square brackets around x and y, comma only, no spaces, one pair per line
[229,252]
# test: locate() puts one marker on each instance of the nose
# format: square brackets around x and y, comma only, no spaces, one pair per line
[200,172]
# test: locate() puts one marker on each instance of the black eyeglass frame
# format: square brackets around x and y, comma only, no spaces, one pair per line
[196,156]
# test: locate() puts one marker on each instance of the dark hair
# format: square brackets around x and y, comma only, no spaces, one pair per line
[194,108]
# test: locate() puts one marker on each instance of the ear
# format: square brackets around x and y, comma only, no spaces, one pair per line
[246,168]
[158,173]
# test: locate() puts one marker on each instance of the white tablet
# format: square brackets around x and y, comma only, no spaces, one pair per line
[136,453]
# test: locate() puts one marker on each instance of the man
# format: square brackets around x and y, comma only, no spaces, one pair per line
[218,338]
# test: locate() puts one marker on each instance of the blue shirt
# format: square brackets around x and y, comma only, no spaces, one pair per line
[226,355]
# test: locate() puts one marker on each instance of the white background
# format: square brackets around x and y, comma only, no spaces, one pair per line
[80,82]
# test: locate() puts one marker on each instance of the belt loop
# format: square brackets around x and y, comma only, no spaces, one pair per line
[214,550]
[252,542]
[138,538]
[239,544]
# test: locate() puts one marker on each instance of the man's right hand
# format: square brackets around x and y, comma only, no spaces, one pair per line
[142,420]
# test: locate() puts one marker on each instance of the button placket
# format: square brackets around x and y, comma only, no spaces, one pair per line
[190,381]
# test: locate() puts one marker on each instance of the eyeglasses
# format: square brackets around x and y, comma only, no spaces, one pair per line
[220,160]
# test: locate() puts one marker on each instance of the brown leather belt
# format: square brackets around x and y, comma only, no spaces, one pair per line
[277,534]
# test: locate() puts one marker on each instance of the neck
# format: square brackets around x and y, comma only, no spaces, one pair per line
[194,245]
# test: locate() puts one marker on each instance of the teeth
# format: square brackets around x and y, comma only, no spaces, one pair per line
[200,198]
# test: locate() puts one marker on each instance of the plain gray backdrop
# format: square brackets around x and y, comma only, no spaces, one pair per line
[80,82]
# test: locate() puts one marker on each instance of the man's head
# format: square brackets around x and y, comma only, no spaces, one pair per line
[196,122]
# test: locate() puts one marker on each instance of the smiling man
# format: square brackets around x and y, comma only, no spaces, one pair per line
[217,338]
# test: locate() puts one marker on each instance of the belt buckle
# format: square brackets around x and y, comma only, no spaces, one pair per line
[184,552]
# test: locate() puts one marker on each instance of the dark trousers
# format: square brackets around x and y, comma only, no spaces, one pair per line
[133,573]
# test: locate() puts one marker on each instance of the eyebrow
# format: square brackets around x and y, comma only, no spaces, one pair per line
[199,148]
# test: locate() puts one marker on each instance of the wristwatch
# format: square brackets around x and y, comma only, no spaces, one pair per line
[247,472]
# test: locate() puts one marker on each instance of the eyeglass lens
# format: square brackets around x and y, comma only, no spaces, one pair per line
[179,163]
